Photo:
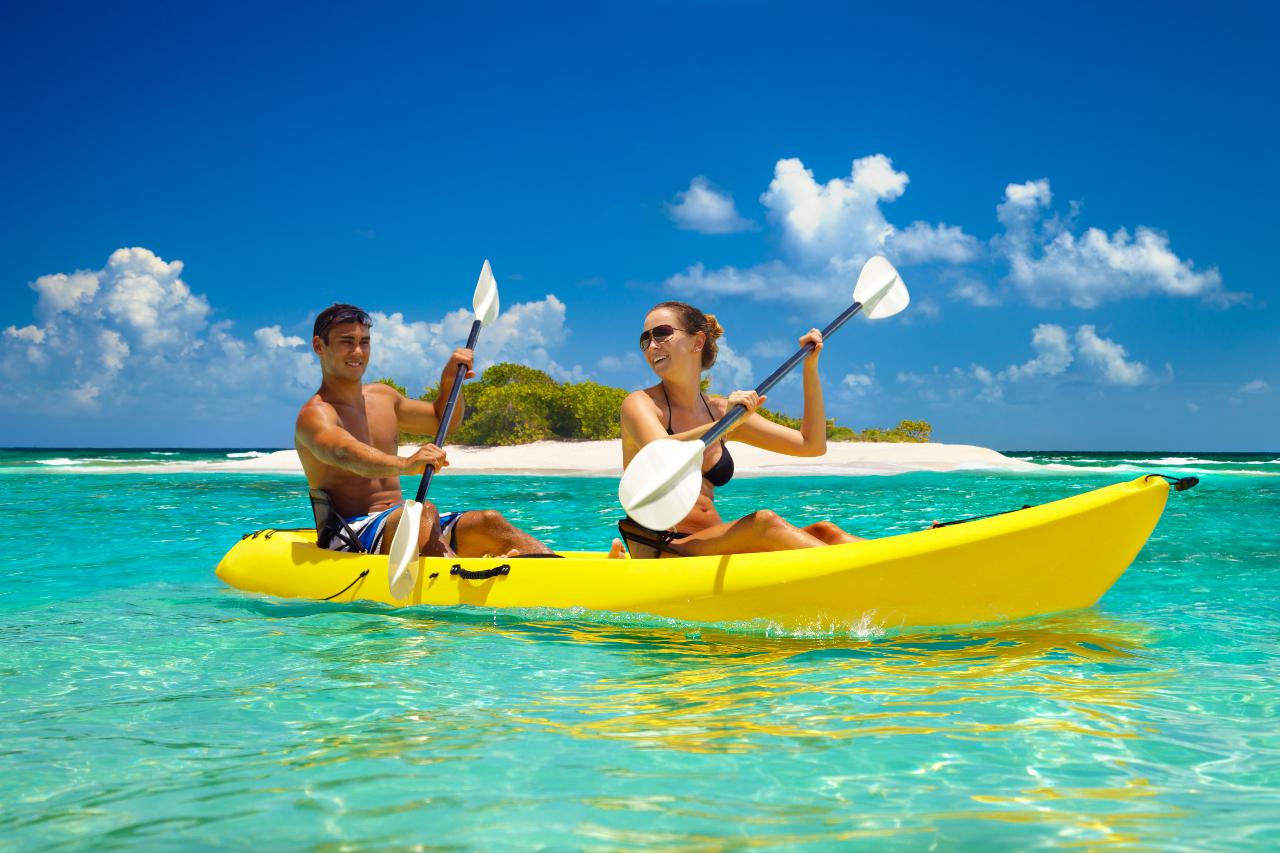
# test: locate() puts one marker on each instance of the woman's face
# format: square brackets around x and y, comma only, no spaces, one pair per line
[680,349]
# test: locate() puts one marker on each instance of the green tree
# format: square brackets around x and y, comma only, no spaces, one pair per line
[595,410]
[386,380]
[516,404]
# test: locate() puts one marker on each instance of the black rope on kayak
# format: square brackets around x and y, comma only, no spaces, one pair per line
[978,517]
[483,574]
[1180,484]
[359,578]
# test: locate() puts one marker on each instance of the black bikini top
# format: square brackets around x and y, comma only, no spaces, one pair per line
[719,473]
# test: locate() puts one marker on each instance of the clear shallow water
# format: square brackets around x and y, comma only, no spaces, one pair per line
[142,703]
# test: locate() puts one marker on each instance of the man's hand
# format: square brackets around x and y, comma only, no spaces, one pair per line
[427,454]
[461,356]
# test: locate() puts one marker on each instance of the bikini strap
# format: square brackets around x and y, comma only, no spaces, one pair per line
[667,400]
[709,412]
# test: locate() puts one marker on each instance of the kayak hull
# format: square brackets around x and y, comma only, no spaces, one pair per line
[1050,558]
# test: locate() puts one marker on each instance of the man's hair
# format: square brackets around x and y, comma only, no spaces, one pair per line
[335,314]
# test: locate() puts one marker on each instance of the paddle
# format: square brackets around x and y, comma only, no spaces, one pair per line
[402,567]
[662,483]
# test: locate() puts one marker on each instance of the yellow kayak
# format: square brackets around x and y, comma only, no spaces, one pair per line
[1058,556]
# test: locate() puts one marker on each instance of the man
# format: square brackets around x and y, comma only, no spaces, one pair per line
[346,438]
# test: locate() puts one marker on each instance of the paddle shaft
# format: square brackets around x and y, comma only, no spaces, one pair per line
[454,391]
[737,412]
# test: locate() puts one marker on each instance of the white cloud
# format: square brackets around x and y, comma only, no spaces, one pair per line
[271,336]
[617,364]
[113,349]
[1257,386]
[30,334]
[974,292]
[148,300]
[859,384]
[921,243]
[133,335]
[62,292]
[771,280]
[705,209]
[1056,351]
[1053,354]
[840,219]
[1109,357]
[1050,264]
[731,372]
[828,231]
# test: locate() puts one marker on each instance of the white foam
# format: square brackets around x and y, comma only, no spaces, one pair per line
[250,454]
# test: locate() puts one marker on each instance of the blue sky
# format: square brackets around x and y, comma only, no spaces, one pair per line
[1080,199]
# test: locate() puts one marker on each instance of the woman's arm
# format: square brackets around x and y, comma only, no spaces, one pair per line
[811,438]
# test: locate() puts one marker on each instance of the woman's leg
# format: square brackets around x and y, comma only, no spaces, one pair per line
[763,530]
[830,533]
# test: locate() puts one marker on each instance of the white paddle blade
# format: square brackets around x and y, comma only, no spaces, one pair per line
[485,300]
[880,290]
[662,483]
[402,565]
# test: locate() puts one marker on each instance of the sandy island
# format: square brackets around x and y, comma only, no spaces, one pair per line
[604,459]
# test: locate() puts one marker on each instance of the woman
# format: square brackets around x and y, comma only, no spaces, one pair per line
[679,342]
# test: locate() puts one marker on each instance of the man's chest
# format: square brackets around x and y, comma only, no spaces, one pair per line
[376,426]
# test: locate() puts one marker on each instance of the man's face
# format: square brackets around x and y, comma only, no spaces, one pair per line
[346,354]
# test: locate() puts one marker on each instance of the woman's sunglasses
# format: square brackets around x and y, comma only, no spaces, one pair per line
[658,334]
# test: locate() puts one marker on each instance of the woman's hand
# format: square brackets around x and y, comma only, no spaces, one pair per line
[813,336]
[748,400]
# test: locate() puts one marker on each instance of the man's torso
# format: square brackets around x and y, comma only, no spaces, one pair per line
[374,424]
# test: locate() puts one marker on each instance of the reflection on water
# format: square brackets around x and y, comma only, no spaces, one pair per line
[728,693]
[952,710]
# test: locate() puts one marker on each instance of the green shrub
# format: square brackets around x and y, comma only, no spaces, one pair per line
[389,381]
[594,409]
[515,404]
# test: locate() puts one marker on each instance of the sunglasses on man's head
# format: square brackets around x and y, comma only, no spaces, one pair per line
[658,334]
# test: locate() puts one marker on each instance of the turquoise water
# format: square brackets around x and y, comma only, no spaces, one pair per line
[144,704]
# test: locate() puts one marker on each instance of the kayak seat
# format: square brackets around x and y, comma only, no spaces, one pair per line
[330,525]
[645,544]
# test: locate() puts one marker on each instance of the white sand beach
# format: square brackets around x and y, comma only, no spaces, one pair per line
[604,459]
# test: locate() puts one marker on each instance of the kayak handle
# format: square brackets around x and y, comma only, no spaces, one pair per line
[1180,484]
[483,574]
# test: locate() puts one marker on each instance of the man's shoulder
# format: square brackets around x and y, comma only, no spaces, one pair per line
[316,404]
[381,391]
[382,396]
[316,413]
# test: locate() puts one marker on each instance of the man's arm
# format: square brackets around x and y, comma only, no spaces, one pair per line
[422,418]
[319,431]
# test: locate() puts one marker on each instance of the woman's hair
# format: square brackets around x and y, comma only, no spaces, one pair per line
[695,321]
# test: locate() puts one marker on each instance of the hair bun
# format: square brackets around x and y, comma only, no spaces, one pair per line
[714,329]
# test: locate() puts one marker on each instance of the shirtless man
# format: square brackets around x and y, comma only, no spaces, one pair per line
[346,438]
